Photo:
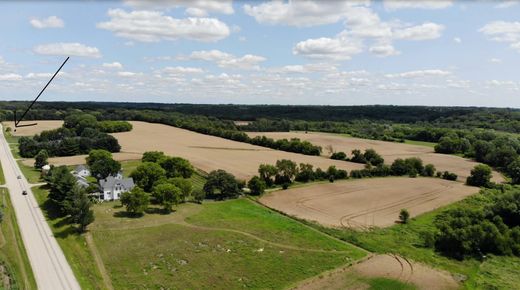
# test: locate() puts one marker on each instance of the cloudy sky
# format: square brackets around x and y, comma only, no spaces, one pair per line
[295,52]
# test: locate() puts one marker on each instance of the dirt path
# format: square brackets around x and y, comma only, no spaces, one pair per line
[389,266]
[99,261]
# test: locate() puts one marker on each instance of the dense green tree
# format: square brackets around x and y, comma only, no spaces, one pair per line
[414,164]
[399,167]
[513,169]
[305,173]
[136,201]
[429,170]
[221,185]
[256,185]
[153,156]
[372,157]
[184,185]
[449,176]
[40,159]
[80,209]
[167,195]
[102,164]
[267,173]
[147,174]
[177,167]
[62,184]
[480,176]
[287,170]
[198,195]
[357,156]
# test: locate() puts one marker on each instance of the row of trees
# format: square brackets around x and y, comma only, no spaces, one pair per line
[370,156]
[293,145]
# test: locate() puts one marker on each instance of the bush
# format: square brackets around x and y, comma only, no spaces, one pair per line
[404,216]
[449,176]
[429,170]
[256,185]
[221,185]
[338,156]
[480,176]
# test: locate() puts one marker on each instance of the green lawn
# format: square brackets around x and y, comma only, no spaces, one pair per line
[74,246]
[12,250]
[129,166]
[407,240]
[32,175]
[420,143]
[250,247]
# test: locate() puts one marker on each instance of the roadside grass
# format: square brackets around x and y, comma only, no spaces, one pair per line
[408,240]
[12,251]
[74,246]
[32,175]
[2,177]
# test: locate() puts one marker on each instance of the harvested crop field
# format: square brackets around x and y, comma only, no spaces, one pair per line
[389,150]
[367,202]
[209,153]
[383,266]
[32,130]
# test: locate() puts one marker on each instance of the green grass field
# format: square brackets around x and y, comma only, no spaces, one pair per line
[407,240]
[32,175]
[420,143]
[12,250]
[232,244]
[74,246]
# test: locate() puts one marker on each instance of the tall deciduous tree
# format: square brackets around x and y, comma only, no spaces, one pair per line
[136,201]
[167,195]
[147,174]
[40,159]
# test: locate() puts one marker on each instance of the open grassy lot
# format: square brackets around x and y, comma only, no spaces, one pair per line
[250,246]
[388,150]
[407,240]
[32,175]
[74,246]
[12,251]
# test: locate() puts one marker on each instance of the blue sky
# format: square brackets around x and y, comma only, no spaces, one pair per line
[289,52]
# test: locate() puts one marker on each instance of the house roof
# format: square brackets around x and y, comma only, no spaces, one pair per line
[80,168]
[110,182]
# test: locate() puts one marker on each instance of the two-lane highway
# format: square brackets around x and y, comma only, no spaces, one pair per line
[50,268]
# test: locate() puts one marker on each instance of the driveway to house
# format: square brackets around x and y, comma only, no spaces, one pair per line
[50,268]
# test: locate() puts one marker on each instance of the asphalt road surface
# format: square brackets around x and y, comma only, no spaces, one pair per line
[51,269]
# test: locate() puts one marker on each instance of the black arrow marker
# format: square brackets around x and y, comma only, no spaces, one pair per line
[16,122]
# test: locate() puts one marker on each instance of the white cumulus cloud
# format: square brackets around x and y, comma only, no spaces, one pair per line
[152,26]
[328,48]
[203,6]
[49,22]
[503,31]
[226,60]
[420,74]
[423,4]
[10,77]
[115,65]
[67,49]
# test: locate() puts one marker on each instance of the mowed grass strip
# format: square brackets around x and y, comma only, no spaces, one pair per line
[12,250]
[2,177]
[74,246]
[33,175]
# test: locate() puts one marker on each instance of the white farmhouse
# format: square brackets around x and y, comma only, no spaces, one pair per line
[112,187]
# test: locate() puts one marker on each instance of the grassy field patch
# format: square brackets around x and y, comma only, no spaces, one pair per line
[73,245]
[12,250]
[33,175]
